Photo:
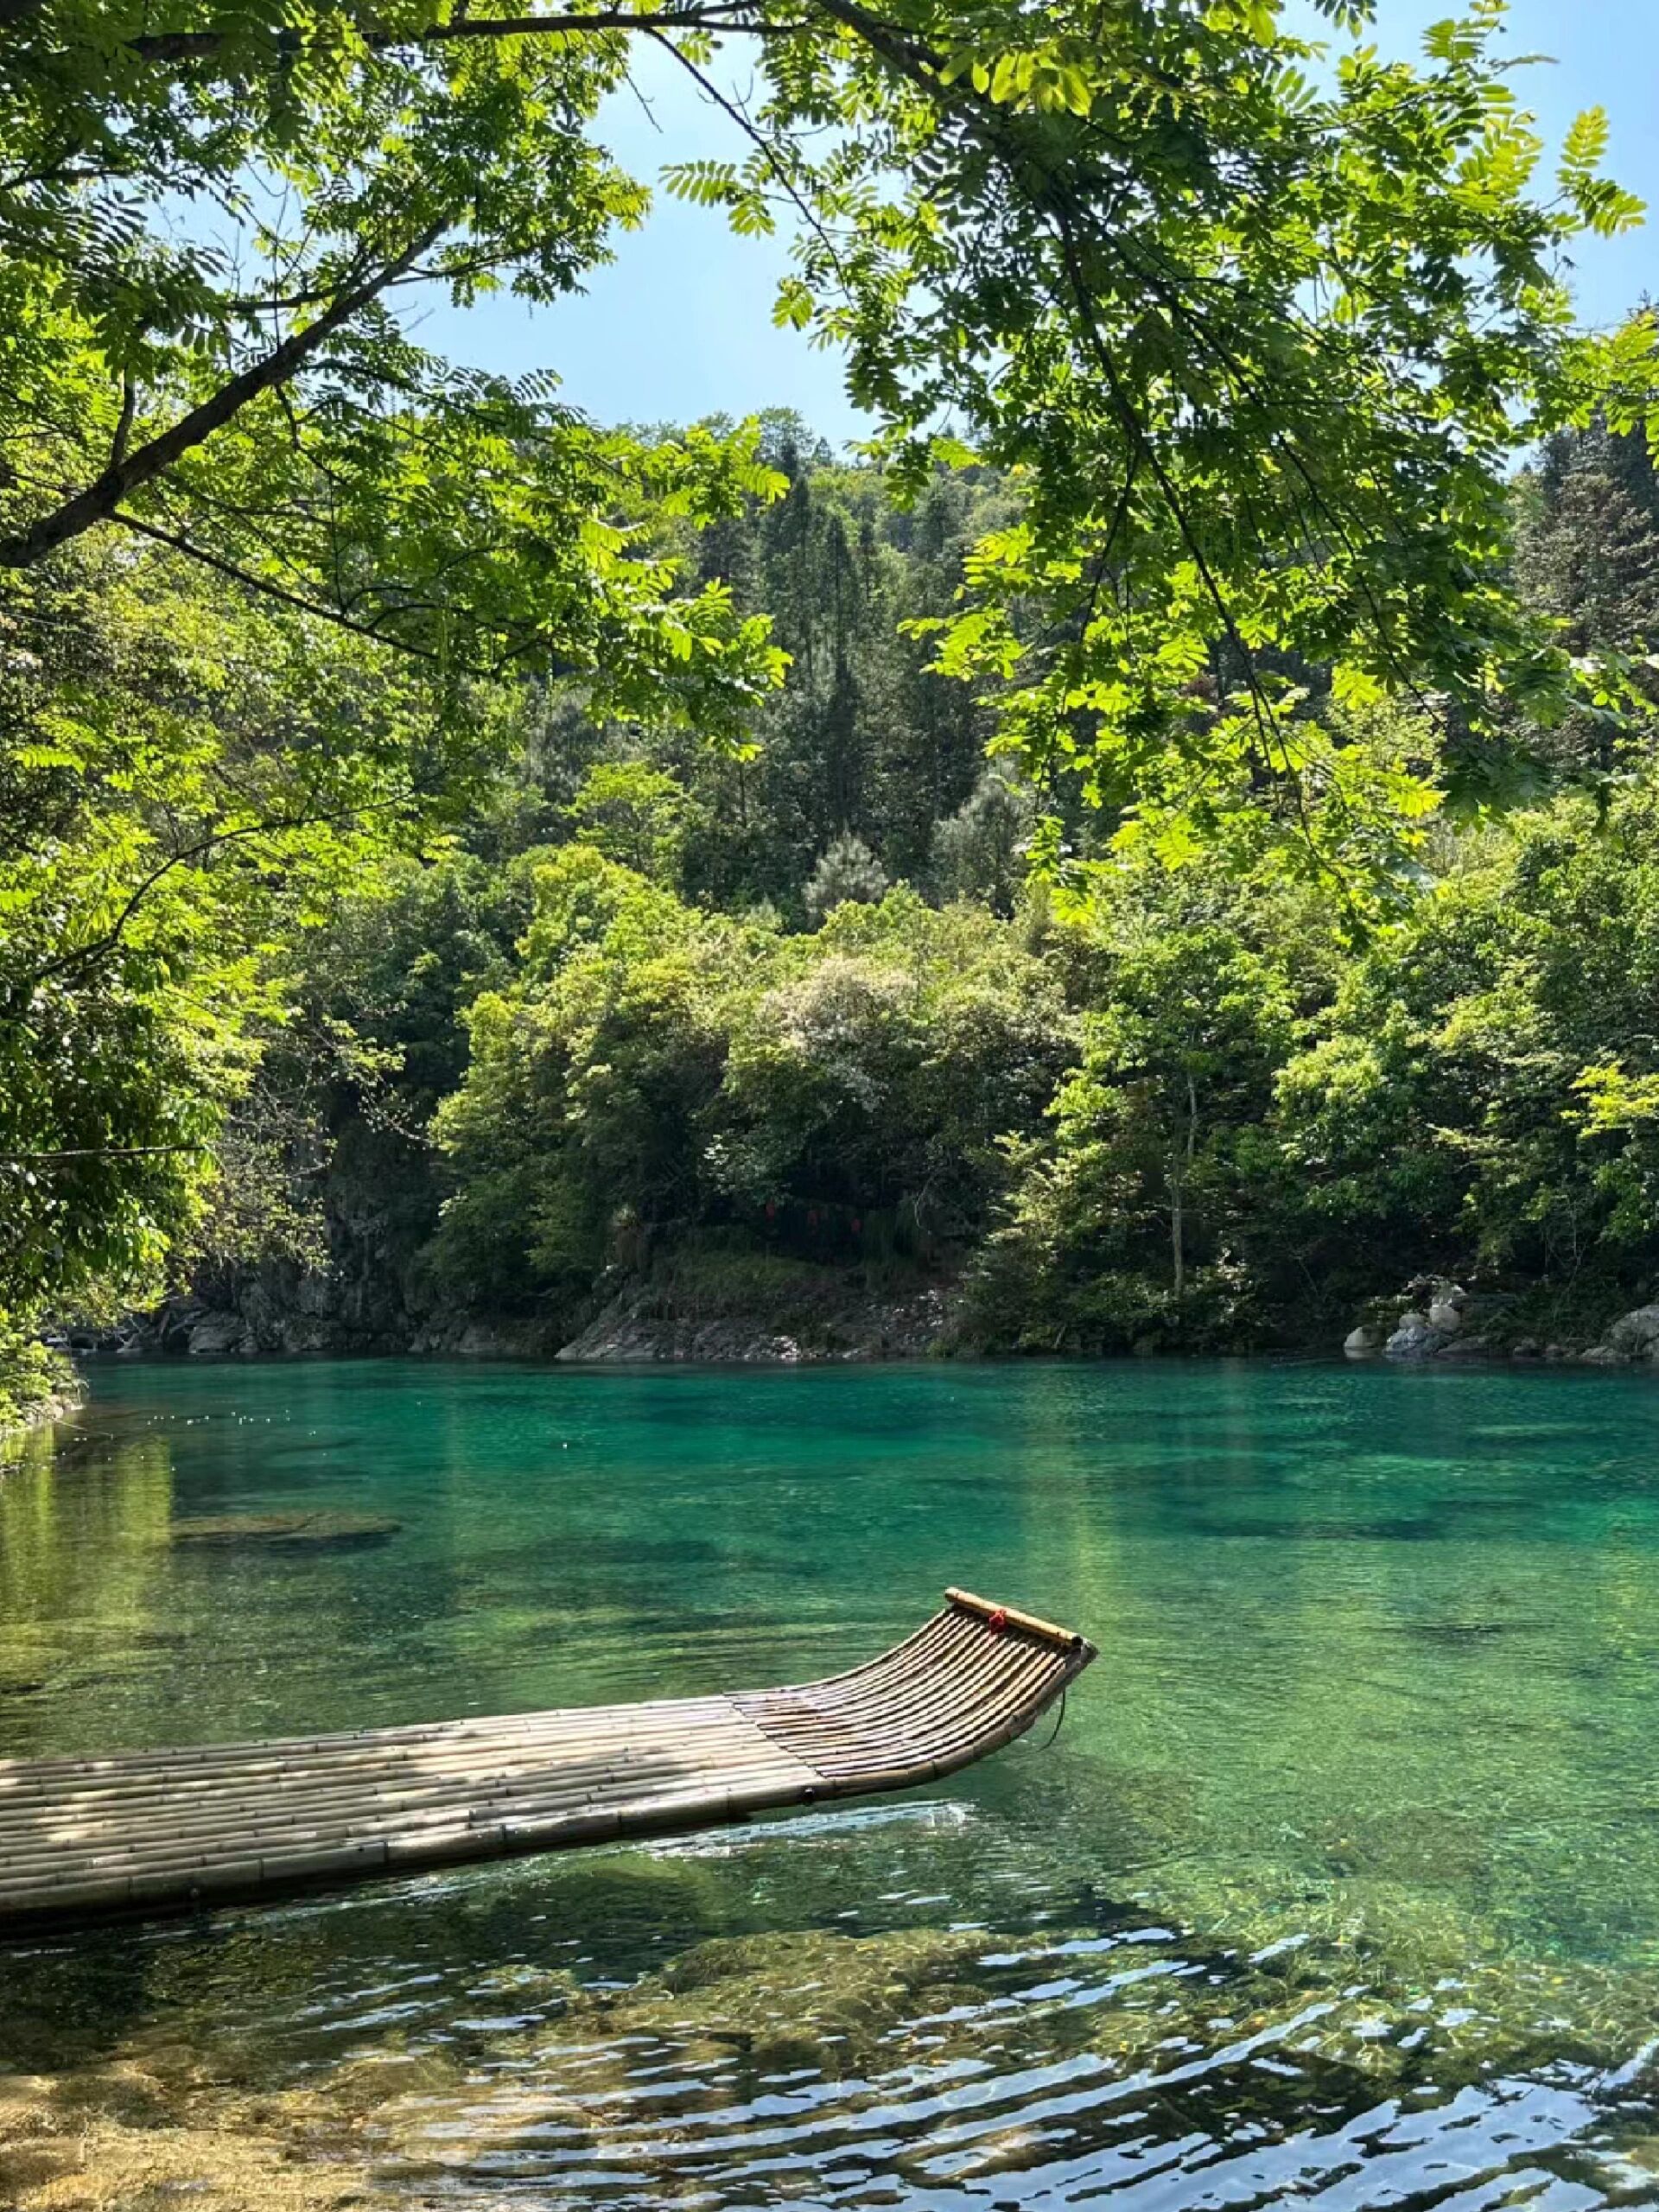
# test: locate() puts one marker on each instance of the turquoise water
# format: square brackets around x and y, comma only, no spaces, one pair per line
[1339,1885]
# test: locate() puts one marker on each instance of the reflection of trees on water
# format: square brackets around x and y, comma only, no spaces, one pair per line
[83,1578]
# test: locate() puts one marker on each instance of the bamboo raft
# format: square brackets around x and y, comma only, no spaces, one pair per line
[147,1831]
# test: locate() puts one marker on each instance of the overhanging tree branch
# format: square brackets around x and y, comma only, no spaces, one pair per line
[97,1151]
[131,472]
[95,948]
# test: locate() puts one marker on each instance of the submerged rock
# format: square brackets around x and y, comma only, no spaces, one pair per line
[1467,1348]
[119,2135]
[1351,1985]
[282,1529]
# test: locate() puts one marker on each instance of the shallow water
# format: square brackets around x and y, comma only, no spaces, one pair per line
[1340,1883]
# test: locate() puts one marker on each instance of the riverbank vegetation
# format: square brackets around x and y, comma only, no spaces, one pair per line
[743,1028]
[1162,844]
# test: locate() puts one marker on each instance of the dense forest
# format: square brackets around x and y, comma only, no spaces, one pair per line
[789,1037]
[1151,853]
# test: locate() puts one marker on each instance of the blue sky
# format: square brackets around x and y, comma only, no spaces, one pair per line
[680,325]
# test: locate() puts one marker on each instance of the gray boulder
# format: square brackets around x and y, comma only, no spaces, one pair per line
[1471,1347]
[1416,1337]
[1636,1335]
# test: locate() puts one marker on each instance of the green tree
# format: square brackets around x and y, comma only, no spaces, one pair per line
[187,785]
[1588,555]
[654,1072]
[876,1070]
[575,1136]
[847,873]
[634,814]
[1252,356]
[1095,252]
[1479,1099]
[1147,1217]
[1588,546]
[861,738]
[268,576]
[982,851]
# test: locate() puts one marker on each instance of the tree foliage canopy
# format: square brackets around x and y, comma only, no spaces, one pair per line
[1259,342]
[1156,1106]
[1246,335]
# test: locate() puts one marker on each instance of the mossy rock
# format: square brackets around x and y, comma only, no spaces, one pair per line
[284,1531]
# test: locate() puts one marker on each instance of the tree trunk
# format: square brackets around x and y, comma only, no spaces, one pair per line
[1181,1167]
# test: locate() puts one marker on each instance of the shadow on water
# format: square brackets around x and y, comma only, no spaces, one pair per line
[1340,1884]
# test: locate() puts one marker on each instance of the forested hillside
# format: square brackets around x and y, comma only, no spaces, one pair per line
[790,1041]
[1151,853]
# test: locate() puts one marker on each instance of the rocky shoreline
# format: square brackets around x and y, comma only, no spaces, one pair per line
[821,1316]
[643,1322]
[1436,1319]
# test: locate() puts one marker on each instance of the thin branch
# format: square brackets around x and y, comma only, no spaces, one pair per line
[96,1152]
[181,543]
[737,17]
[758,138]
[1141,438]
[79,955]
[124,425]
[475,264]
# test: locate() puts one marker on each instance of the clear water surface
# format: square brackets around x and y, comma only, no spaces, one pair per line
[1339,1885]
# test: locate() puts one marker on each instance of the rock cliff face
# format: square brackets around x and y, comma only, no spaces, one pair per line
[825,1314]
[380,1209]
[635,1325]
[274,1309]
